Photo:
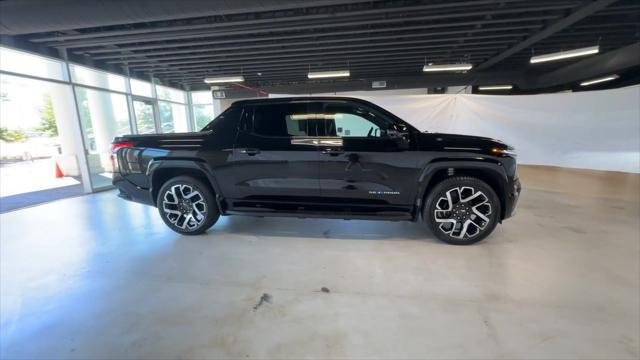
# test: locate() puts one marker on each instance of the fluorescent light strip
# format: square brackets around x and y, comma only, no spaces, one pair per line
[447,67]
[565,54]
[599,80]
[224,79]
[496,87]
[328,74]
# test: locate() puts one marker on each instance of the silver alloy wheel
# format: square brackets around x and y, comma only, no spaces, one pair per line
[463,213]
[184,206]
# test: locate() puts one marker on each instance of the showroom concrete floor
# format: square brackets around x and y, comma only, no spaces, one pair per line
[97,277]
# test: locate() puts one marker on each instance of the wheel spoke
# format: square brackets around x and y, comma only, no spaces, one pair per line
[463,231]
[183,191]
[478,193]
[199,214]
[442,215]
[171,193]
[481,215]
[191,194]
[187,221]
[447,224]
[175,212]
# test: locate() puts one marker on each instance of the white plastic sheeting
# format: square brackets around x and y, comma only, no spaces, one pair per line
[593,130]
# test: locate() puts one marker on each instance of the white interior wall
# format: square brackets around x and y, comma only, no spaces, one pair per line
[593,129]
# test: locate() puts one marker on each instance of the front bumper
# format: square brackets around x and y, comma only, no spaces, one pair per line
[513,195]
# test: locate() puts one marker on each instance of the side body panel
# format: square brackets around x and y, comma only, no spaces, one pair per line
[270,169]
[367,171]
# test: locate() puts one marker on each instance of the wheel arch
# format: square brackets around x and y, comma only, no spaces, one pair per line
[163,170]
[491,173]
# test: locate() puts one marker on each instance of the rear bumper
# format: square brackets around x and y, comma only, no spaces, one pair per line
[512,196]
[128,191]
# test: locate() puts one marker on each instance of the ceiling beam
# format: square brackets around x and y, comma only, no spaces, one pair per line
[589,8]
[335,64]
[399,27]
[398,82]
[25,17]
[411,64]
[302,26]
[311,51]
[310,58]
[297,46]
[270,21]
[190,54]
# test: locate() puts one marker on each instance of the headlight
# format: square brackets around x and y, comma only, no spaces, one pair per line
[504,151]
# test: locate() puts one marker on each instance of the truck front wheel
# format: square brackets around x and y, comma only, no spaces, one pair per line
[462,210]
[187,205]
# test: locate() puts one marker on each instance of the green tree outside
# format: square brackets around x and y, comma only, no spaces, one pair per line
[12,135]
[48,118]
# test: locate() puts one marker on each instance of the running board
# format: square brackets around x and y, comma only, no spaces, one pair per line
[383,215]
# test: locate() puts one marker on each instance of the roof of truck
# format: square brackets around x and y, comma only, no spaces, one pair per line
[295,99]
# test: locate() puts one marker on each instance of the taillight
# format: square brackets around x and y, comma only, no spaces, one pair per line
[117,145]
[114,149]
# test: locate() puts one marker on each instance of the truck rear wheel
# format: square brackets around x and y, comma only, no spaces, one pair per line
[462,210]
[187,205]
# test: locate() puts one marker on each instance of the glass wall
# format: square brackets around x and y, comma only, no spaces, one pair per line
[203,111]
[172,110]
[173,117]
[103,116]
[29,64]
[105,105]
[170,94]
[141,88]
[38,145]
[143,112]
[86,76]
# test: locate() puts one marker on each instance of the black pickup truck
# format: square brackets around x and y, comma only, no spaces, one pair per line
[326,157]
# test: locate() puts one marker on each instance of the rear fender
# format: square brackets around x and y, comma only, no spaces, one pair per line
[186,165]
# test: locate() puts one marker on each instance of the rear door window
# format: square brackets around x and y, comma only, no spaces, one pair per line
[284,120]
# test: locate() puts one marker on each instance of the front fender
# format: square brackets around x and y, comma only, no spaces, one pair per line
[486,165]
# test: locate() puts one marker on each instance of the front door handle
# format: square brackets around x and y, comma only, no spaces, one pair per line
[249,151]
[333,151]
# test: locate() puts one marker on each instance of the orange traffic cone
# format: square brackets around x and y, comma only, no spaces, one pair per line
[59,173]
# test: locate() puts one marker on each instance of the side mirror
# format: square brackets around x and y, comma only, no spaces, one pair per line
[401,128]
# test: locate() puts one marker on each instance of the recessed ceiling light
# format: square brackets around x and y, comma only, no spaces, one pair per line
[224,79]
[495,87]
[328,74]
[565,54]
[447,67]
[599,80]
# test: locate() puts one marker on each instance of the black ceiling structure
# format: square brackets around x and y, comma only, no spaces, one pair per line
[274,44]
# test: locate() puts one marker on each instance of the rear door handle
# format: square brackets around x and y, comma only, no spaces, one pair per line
[249,151]
[333,152]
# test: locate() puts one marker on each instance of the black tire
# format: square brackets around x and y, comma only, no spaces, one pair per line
[469,209]
[203,207]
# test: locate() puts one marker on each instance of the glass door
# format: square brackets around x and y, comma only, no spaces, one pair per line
[144,112]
